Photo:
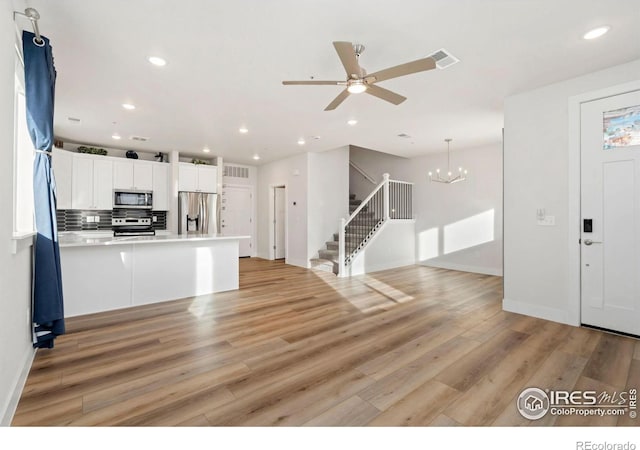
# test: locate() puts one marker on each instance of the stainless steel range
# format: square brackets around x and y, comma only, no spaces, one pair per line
[132,226]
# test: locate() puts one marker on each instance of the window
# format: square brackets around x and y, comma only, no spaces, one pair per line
[23,212]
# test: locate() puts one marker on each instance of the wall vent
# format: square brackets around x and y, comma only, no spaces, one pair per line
[139,138]
[444,58]
[236,171]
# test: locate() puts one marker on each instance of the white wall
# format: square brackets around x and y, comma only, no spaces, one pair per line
[16,350]
[392,246]
[537,166]
[292,173]
[328,196]
[459,226]
[374,164]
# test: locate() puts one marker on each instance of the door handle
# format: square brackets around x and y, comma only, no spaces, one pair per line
[589,242]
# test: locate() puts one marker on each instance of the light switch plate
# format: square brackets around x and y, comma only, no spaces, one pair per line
[548,221]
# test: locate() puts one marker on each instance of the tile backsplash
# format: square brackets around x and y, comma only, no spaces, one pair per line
[92,220]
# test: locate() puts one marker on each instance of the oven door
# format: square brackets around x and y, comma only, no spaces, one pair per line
[132,199]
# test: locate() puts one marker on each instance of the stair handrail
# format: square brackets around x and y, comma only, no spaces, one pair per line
[359,169]
[386,215]
[385,180]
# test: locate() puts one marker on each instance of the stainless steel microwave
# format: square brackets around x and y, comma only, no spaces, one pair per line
[132,199]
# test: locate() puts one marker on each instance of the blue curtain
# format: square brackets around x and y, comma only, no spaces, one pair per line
[47,302]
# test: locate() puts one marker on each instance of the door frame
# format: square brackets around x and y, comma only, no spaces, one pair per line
[251,189]
[574,178]
[272,216]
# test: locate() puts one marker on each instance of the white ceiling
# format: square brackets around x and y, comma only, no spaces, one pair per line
[226,61]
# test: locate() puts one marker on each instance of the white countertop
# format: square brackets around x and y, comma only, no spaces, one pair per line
[86,239]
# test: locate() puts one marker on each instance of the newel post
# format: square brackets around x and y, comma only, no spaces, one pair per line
[341,252]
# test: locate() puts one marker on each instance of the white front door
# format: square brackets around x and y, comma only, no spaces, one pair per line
[610,210]
[279,205]
[236,215]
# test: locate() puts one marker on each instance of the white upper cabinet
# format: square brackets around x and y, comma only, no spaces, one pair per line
[207,178]
[131,174]
[197,178]
[188,177]
[161,187]
[62,162]
[91,183]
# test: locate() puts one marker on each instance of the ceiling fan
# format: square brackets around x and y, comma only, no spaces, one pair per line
[359,81]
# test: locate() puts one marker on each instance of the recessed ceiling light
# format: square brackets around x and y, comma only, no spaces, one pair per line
[128,106]
[256,157]
[157,61]
[352,122]
[243,130]
[206,150]
[116,136]
[301,141]
[596,32]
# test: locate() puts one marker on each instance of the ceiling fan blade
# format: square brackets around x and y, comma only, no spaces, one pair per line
[348,58]
[385,94]
[336,101]
[419,65]
[316,82]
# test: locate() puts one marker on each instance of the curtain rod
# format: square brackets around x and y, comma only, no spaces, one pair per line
[33,15]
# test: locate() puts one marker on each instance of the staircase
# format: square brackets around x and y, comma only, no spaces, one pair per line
[328,258]
[390,201]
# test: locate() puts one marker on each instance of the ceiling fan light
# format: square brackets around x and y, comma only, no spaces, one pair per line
[357,87]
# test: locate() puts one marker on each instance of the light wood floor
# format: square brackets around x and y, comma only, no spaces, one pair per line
[410,346]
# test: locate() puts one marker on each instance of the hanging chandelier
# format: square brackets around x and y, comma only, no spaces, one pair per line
[461,175]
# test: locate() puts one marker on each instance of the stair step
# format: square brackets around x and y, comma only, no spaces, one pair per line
[355,202]
[331,255]
[324,265]
[332,245]
[352,196]
[348,236]
[359,228]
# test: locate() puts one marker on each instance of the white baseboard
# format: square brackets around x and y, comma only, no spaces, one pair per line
[386,265]
[539,311]
[303,263]
[7,414]
[463,267]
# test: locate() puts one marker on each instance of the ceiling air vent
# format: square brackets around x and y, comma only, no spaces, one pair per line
[404,135]
[236,171]
[444,58]
[139,138]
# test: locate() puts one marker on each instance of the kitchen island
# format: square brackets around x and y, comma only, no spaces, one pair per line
[102,272]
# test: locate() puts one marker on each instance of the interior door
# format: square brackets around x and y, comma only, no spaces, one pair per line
[236,215]
[279,206]
[610,209]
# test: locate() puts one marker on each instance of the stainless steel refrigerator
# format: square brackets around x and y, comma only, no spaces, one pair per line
[198,213]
